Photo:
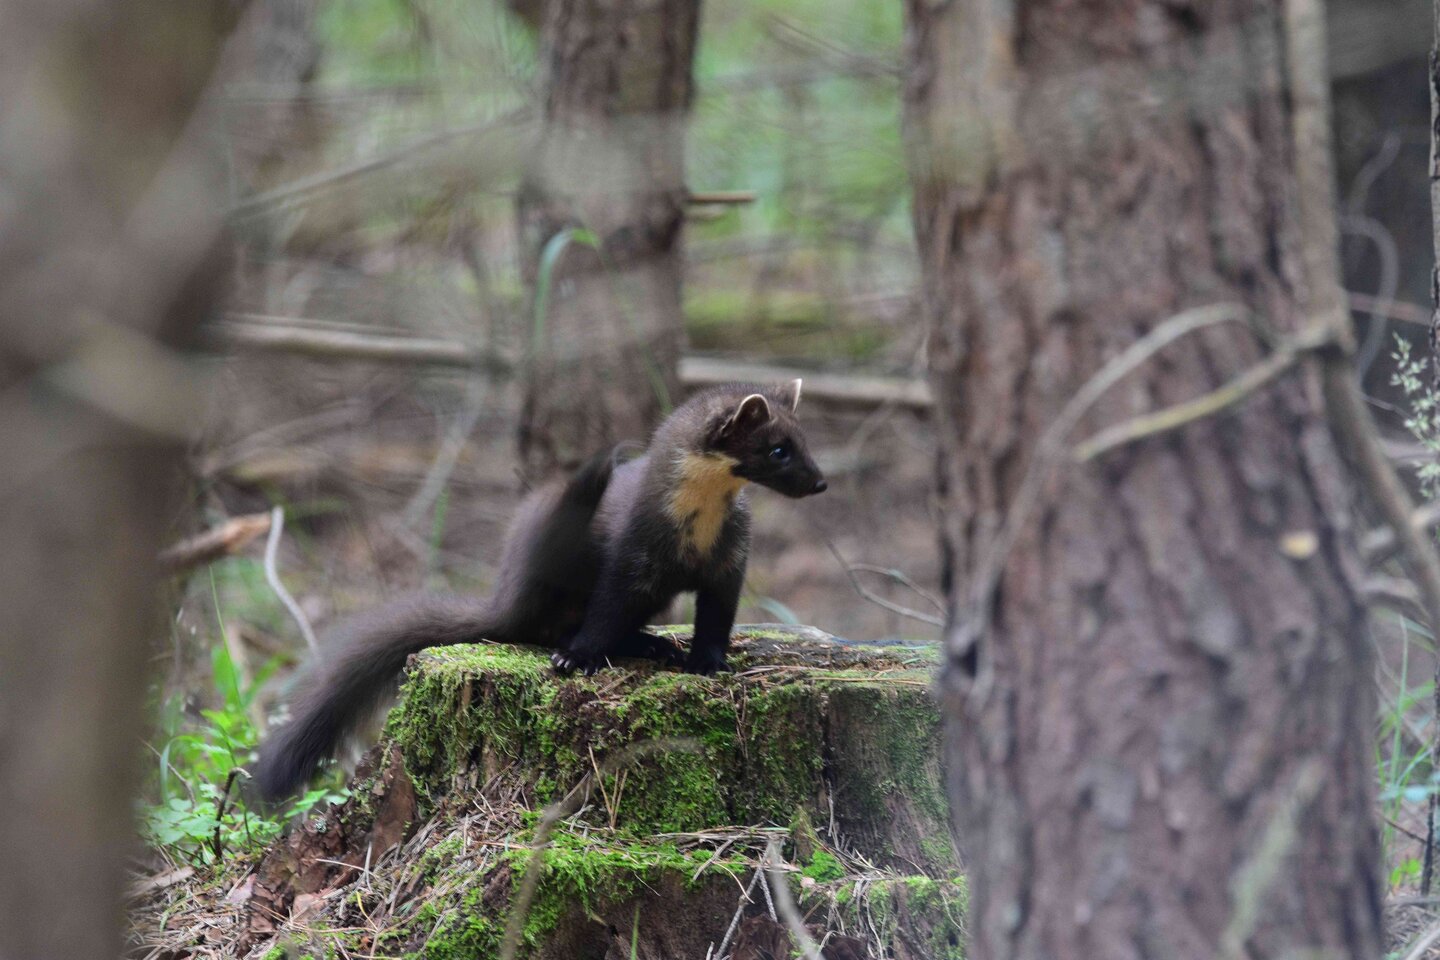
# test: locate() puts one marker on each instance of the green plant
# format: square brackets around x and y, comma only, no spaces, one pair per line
[194,808]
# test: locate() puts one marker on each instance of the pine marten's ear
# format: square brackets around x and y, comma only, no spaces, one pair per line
[752,412]
[793,389]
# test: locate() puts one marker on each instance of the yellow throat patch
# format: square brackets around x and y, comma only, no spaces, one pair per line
[704,490]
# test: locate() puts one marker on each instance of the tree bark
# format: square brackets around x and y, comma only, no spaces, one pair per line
[1158,734]
[606,330]
[108,219]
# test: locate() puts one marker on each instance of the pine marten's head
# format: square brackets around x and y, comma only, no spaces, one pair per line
[758,434]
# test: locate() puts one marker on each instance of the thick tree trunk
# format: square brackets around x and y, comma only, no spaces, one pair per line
[104,217]
[1159,737]
[609,164]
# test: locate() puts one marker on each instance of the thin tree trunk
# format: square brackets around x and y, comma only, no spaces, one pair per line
[1159,717]
[104,217]
[1427,872]
[606,330]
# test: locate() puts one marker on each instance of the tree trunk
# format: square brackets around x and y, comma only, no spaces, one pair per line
[1159,719]
[104,220]
[606,327]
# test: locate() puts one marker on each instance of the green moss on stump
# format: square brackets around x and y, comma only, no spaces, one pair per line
[589,891]
[799,725]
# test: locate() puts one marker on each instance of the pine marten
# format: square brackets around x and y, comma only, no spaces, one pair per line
[587,562]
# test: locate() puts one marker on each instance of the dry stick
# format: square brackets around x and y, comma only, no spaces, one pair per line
[875,598]
[1049,451]
[786,904]
[444,463]
[739,911]
[228,538]
[1171,418]
[272,575]
[900,577]
[1422,945]
[326,341]
[312,340]
[1380,544]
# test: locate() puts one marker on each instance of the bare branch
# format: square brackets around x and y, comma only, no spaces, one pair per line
[272,575]
[249,332]
[228,538]
[1171,418]
[332,341]
[1380,544]
[786,904]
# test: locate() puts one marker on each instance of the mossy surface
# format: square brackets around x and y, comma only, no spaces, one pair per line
[586,885]
[672,752]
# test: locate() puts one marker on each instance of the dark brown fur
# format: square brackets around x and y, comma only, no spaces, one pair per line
[587,563]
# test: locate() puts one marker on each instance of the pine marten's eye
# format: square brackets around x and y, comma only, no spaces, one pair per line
[780,453]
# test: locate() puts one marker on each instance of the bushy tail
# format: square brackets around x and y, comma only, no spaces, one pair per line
[370,651]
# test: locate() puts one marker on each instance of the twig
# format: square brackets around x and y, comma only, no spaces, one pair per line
[1384,243]
[1409,833]
[228,538]
[875,598]
[1380,544]
[325,341]
[444,463]
[1171,418]
[786,904]
[1395,593]
[739,912]
[1398,310]
[272,576]
[1423,944]
[722,197]
[220,803]
[327,344]
[899,576]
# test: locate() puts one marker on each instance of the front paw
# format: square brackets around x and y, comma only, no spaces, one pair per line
[567,662]
[706,663]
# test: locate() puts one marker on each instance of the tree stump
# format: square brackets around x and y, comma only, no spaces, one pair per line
[654,795]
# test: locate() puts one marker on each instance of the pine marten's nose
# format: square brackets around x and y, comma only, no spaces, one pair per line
[820,486]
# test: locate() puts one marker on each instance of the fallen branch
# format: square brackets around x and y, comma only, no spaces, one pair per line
[333,341]
[249,332]
[228,538]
